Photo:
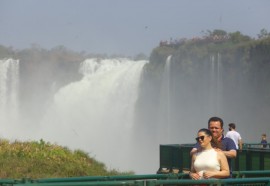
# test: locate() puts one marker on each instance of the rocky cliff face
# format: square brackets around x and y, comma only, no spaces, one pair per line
[204,78]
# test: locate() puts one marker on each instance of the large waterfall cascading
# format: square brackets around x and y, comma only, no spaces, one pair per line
[9,74]
[96,113]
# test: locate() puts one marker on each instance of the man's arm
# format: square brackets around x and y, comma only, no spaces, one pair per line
[230,150]
[193,151]
[240,143]
[230,153]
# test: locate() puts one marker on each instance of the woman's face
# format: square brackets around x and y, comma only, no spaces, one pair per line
[203,139]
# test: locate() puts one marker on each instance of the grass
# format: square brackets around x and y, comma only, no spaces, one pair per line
[40,159]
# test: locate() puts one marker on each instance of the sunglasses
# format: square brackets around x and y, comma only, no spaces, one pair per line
[199,138]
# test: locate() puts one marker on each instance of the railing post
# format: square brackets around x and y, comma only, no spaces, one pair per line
[236,161]
[181,150]
[268,183]
[262,154]
[150,183]
[248,160]
[139,183]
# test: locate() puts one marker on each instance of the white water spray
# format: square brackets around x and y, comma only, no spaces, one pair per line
[216,85]
[96,113]
[9,74]
[164,128]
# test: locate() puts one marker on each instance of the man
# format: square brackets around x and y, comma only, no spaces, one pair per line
[235,136]
[215,125]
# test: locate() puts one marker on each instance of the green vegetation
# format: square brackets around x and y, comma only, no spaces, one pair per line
[38,159]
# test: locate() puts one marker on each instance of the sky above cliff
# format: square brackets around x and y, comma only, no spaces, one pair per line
[123,26]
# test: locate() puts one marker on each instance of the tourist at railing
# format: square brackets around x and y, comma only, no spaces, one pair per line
[235,136]
[208,163]
[215,125]
[263,141]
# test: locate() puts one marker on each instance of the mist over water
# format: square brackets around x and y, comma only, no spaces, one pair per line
[96,114]
[9,74]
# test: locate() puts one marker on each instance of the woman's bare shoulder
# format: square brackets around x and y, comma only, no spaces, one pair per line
[221,154]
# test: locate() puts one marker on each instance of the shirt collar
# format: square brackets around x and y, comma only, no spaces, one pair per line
[221,138]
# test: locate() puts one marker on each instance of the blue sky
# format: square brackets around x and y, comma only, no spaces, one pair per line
[123,26]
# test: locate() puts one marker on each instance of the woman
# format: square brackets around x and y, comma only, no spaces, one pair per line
[208,163]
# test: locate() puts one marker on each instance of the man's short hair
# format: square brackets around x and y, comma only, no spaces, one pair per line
[232,125]
[216,119]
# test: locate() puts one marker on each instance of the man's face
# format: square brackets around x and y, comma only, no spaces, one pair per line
[215,128]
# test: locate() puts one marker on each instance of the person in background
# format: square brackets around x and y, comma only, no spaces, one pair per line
[264,141]
[208,163]
[235,136]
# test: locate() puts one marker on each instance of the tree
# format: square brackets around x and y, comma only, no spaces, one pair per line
[263,34]
[237,37]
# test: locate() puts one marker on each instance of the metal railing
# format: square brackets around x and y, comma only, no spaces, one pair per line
[213,182]
[241,178]
[177,157]
[256,146]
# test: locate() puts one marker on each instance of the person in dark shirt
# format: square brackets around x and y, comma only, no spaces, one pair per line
[264,141]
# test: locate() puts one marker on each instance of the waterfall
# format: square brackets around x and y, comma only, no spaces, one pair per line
[215,94]
[219,85]
[96,114]
[164,128]
[9,74]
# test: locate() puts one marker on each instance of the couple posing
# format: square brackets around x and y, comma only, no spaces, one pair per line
[211,156]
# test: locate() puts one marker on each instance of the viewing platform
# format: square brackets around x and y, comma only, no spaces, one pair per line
[251,167]
[176,158]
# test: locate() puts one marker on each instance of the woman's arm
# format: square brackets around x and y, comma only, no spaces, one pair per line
[192,174]
[224,168]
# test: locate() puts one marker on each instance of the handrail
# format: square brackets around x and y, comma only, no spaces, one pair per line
[255,173]
[90,183]
[110,178]
[8,181]
[242,177]
[256,145]
[217,182]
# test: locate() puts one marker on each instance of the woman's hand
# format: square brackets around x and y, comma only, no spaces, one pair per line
[208,174]
[194,176]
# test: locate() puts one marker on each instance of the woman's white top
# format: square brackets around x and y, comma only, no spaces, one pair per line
[206,160]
